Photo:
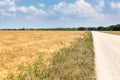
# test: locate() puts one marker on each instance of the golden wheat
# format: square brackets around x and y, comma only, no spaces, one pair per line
[18,47]
[112,32]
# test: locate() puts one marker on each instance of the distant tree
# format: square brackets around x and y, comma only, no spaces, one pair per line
[81,28]
[101,28]
[23,29]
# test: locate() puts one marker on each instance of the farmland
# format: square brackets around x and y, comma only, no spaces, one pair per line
[26,47]
[112,32]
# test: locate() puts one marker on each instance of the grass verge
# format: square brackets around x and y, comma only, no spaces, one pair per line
[73,63]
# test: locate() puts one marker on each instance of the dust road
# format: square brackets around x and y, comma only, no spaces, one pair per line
[107,56]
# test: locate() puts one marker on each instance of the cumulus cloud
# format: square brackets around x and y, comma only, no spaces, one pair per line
[4,5]
[80,8]
[12,9]
[115,5]
[7,2]
[100,5]
[6,14]
[42,5]
[15,9]
[23,9]
[30,10]
[33,8]
[37,11]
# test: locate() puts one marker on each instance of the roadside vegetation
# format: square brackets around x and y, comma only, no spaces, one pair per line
[75,62]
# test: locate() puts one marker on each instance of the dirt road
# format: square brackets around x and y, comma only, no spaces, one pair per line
[107,56]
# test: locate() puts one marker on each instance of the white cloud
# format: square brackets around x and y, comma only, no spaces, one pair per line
[12,9]
[8,6]
[80,8]
[4,5]
[31,10]
[100,5]
[7,2]
[11,2]
[42,5]
[23,9]
[61,7]
[7,14]
[35,10]
[115,5]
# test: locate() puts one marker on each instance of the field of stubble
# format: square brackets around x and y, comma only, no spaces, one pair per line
[112,32]
[24,47]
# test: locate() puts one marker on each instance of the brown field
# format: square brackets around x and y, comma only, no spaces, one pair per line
[22,47]
[112,32]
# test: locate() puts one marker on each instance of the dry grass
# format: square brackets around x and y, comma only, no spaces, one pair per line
[112,32]
[75,62]
[18,47]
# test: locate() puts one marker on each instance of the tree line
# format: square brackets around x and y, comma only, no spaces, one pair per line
[100,28]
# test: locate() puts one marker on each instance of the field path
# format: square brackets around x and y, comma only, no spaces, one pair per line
[107,56]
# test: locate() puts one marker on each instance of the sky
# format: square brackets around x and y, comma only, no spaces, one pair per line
[58,13]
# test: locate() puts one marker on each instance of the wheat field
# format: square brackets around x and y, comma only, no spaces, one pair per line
[23,47]
[112,32]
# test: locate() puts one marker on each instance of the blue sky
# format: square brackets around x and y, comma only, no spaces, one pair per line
[58,13]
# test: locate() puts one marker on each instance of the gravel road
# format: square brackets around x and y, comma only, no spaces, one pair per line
[107,56]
